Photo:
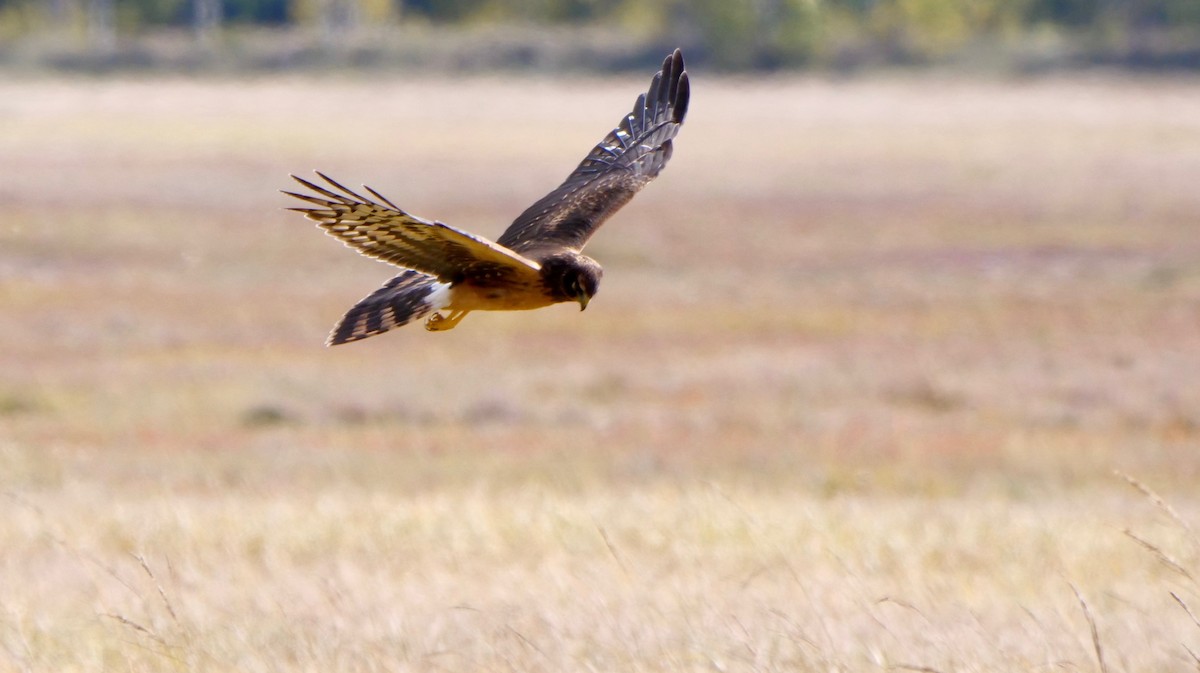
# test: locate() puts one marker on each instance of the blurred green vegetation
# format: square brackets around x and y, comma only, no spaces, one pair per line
[726,34]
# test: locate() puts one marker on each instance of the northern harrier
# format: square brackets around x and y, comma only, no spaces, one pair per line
[535,262]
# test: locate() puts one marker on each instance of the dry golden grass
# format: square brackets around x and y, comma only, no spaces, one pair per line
[850,398]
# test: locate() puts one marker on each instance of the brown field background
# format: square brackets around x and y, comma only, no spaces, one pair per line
[850,397]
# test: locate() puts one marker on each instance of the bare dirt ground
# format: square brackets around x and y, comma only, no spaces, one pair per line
[850,398]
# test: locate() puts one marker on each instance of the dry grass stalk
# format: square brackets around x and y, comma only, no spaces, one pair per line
[1159,502]
[1087,613]
[910,667]
[1186,608]
[146,632]
[612,550]
[161,594]
[1195,658]
[1162,556]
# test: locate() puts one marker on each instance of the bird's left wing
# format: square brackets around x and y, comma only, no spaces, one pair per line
[381,230]
[629,157]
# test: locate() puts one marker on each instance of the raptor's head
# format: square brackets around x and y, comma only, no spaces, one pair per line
[571,277]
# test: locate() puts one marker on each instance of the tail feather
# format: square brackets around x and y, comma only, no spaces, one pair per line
[410,296]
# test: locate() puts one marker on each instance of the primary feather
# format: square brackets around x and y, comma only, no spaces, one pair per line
[630,156]
[389,234]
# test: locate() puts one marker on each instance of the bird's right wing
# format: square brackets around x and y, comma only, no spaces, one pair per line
[629,157]
[387,233]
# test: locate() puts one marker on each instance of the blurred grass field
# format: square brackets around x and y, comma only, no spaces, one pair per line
[850,398]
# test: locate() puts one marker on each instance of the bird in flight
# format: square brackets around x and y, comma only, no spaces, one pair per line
[536,262]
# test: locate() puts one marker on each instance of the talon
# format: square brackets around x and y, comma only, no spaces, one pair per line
[440,323]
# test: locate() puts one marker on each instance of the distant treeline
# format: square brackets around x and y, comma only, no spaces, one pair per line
[727,34]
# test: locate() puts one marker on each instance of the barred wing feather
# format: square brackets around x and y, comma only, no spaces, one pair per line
[378,228]
[608,177]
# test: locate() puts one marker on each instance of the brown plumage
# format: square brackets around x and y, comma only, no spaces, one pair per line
[536,262]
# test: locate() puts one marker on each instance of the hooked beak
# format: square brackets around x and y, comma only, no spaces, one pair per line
[583,300]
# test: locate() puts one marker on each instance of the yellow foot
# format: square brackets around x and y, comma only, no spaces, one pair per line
[439,323]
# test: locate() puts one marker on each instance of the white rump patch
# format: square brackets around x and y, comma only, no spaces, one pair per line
[439,296]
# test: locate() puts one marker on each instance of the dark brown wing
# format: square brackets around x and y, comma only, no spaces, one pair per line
[628,158]
[389,234]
